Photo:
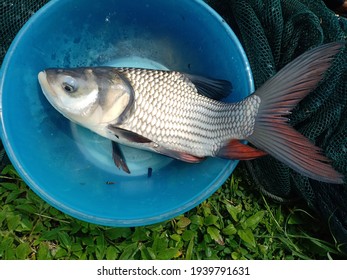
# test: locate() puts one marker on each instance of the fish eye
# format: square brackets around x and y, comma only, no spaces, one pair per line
[69,84]
[68,88]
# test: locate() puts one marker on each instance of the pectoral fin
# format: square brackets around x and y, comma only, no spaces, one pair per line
[118,157]
[128,135]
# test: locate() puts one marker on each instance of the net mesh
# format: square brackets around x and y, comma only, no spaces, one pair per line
[273,32]
[13,14]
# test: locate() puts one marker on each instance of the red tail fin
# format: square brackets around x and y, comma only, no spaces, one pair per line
[279,95]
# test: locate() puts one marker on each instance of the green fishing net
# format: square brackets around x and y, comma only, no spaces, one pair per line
[273,32]
[13,15]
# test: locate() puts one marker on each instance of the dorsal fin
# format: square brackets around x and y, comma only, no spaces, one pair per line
[211,88]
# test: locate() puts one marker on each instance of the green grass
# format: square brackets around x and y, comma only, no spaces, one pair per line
[235,223]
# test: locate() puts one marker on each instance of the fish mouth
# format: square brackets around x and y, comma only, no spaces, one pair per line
[47,90]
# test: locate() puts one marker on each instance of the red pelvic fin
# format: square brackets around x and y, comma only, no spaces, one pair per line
[236,150]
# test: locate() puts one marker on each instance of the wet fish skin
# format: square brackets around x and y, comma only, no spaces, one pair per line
[181,116]
[164,106]
[170,111]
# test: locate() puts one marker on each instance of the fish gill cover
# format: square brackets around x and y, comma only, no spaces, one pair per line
[273,33]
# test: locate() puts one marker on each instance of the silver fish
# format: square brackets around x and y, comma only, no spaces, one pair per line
[181,115]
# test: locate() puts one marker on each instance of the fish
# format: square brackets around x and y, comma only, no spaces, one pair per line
[183,116]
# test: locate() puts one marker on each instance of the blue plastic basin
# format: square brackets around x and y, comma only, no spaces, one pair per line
[70,167]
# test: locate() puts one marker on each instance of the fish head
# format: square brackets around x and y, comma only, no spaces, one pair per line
[88,96]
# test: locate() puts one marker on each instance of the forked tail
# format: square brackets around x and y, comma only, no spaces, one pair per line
[279,95]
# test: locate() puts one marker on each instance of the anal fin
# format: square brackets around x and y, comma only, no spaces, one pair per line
[236,150]
[179,155]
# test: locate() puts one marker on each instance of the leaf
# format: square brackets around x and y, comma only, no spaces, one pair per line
[10,171]
[54,212]
[168,254]
[211,220]
[206,208]
[188,235]
[229,230]
[88,241]
[2,217]
[254,220]
[158,227]
[77,250]
[24,225]
[247,236]
[159,244]
[13,222]
[145,255]
[111,253]
[234,211]
[183,222]
[197,220]
[50,234]
[27,208]
[12,196]
[10,254]
[100,247]
[215,235]
[175,237]
[151,253]
[9,186]
[189,253]
[60,253]
[140,234]
[5,245]
[76,247]
[7,249]
[64,239]
[43,252]
[234,244]
[23,250]
[78,255]
[90,252]
[34,199]
[129,252]
[236,255]
[208,252]
[115,233]
[7,169]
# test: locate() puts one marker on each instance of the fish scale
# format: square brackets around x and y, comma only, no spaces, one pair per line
[181,118]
